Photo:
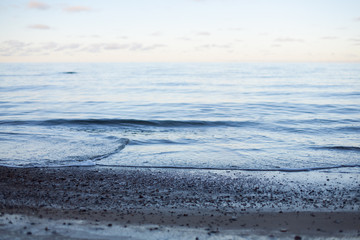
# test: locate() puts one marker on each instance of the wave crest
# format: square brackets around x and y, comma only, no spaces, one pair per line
[132,122]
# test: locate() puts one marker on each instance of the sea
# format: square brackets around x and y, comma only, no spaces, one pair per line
[228,116]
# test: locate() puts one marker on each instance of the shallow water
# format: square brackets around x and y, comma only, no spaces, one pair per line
[289,117]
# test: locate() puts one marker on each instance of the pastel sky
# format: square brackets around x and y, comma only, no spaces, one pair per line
[179,30]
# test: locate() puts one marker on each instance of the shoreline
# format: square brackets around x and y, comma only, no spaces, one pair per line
[274,204]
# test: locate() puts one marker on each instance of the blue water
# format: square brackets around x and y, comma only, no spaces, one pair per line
[289,117]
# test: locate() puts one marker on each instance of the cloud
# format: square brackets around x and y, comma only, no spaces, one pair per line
[203,34]
[329,38]
[49,45]
[153,46]
[184,38]
[211,46]
[16,44]
[13,47]
[287,39]
[19,48]
[356,41]
[156,34]
[115,46]
[38,5]
[99,47]
[357,19]
[42,48]
[341,28]
[135,47]
[44,6]
[130,46]
[236,29]
[77,9]
[70,46]
[93,36]
[123,37]
[39,26]
[93,48]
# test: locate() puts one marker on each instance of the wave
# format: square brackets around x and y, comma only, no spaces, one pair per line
[244,169]
[37,74]
[91,163]
[34,165]
[68,72]
[340,148]
[318,121]
[131,122]
[49,152]
[66,161]
[158,141]
[122,143]
[309,169]
[350,129]
[134,123]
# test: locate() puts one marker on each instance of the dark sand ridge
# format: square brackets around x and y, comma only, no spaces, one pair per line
[267,203]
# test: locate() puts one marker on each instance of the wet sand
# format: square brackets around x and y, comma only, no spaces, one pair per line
[200,203]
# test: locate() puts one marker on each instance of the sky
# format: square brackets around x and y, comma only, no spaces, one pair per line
[180,31]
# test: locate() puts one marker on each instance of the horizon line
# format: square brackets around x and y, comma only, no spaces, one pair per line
[250,61]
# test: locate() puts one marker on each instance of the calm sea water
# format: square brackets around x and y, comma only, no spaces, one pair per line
[288,117]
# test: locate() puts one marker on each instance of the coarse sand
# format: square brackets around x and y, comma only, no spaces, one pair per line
[133,203]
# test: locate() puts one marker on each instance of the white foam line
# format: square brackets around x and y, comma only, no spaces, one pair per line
[237,169]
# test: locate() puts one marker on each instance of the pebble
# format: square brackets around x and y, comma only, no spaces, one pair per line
[189,190]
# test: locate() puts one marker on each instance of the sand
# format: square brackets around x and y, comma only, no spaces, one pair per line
[130,203]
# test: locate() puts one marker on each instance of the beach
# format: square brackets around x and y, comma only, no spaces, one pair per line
[195,119]
[43,203]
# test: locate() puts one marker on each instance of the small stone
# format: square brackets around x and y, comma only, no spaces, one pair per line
[297,238]
[283,230]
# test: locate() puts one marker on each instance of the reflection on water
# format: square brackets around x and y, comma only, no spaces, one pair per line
[228,116]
